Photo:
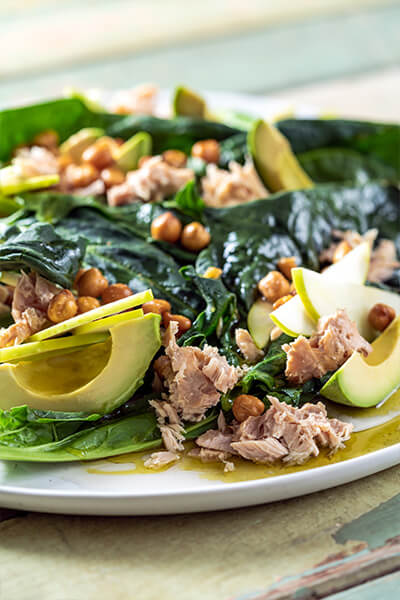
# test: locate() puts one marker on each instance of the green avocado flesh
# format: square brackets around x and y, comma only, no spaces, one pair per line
[78,142]
[367,381]
[95,379]
[188,104]
[128,155]
[274,159]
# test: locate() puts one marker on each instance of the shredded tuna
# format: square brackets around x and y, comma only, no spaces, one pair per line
[170,425]
[238,185]
[282,433]
[96,188]
[334,341]
[155,180]
[207,456]
[139,100]
[196,377]
[157,460]
[30,162]
[383,262]
[247,346]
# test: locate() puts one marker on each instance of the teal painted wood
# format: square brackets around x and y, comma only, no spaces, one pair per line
[259,61]
[384,588]
[374,527]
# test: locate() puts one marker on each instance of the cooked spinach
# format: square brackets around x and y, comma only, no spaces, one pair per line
[378,140]
[247,240]
[43,250]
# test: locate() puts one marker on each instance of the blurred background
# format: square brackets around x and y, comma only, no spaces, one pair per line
[341,55]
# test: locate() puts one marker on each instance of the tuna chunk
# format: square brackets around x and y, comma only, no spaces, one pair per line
[153,182]
[196,378]
[334,341]
[209,456]
[261,451]
[227,188]
[139,100]
[31,162]
[170,425]
[247,346]
[157,460]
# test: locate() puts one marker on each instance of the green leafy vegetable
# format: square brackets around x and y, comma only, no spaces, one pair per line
[41,249]
[188,201]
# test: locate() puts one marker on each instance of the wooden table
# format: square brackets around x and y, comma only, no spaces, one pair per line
[342,544]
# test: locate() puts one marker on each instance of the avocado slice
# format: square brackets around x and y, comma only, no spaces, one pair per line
[11,183]
[77,143]
[128,155]
[106,310]
[259,323]
[274,159]
[367,381]
[96,379]
[188,103]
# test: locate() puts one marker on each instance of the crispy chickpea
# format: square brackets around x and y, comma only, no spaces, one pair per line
[286,264]
[63,161]
[92,283]
[112,176]
[48,139]
[195,237]
[282,300]
[78,276]
[157,306]
[207,150]
[183,322]
[380,316]
[100,154]
[341,250]
[166,228]
[273,286]
[213,273]
[62,307]
[86,303]
[245,406]
[175,158]
[80,175]
[115,291]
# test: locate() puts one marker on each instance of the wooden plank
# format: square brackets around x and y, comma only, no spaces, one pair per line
[384,588]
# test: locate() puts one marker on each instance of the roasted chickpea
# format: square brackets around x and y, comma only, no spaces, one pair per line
[78,276]
[175,158]
[63,161]
[100,154]
[183,322]
[62,307]
[86,303]
[380,316]
[157,306]
[115,291]
[92,283]
[166,228]
[213,273]
[48,139]
[112,176]
[195,237]
[342,249]
[273,286]
[282,300]
[245,406]
[80,175]
[286,264]
[207,150]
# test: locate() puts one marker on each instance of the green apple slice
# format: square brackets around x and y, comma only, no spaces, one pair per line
[128,155]
[259,323]
[106,323]
[11,183]
[29,350]
[293,319]
[322,296]
[92,315]
[367,381]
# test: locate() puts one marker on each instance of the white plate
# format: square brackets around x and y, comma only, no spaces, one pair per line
[70,488]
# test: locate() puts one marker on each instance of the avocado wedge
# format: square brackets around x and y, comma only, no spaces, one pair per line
[366,381]
[187,103]
[11,183]
[274,159]
[128,155]
[78,142]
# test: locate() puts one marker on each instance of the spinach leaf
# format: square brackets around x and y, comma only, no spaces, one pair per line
[65,116]
[263,373]
[179,133]
[233,148]
[379,140]
[248,240]
[342,164]
[188,201]
[40,442]
[43,250]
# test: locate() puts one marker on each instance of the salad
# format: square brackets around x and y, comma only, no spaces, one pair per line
[205,276]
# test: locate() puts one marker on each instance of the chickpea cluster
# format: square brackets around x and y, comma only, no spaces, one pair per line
[163,308]
[92,289]
[168,228]
[276,286]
